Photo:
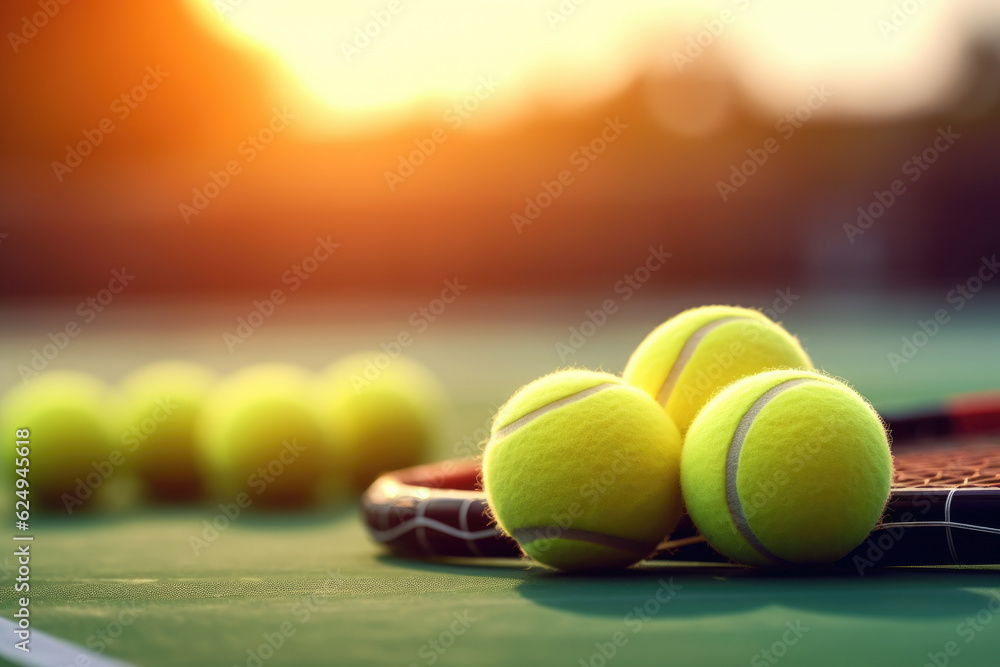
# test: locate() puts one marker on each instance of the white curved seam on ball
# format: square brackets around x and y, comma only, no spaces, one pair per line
[733,463]
[528,535]
[690,345]
[535,414]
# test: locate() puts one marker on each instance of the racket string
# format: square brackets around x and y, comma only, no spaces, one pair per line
[963,465]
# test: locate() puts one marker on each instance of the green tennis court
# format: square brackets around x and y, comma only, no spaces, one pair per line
[161,587]
[324,595]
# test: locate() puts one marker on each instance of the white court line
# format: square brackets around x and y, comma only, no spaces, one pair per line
[47,651]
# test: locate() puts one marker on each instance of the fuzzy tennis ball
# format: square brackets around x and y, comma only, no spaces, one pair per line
[159,405]
[382,416]
[262,439]
[582,470]
[685,360]
[66,415]
[786,467]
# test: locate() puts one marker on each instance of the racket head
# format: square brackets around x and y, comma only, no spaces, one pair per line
[944,507]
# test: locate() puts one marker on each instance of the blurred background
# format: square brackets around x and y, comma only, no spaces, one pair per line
[507,168]
[495,189]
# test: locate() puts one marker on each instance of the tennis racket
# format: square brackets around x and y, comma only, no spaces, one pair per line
[944,507]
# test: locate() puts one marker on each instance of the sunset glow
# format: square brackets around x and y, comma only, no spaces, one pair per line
[370,65]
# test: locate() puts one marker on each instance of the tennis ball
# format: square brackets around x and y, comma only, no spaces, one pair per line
[381,417]
[159,405]
[582,470]
[685,360]
[66,415]
[262,439]
[786,467]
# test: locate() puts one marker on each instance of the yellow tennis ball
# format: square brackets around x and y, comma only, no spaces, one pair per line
[66,415]
[685,360]
[262,439]
[159,405]
[582,470]
[786,467]
[384,414]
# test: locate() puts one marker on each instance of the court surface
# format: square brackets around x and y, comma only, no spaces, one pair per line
[314,590]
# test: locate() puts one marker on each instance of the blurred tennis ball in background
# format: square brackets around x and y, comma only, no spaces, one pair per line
[71,457]
[786,467]
[261,435]
[384,417]
[159,405]
[582,470]
[686,359]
